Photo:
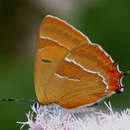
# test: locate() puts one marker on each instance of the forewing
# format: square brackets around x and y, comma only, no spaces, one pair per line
[48,55]
[58,30]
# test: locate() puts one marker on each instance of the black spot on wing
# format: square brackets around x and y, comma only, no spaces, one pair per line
[46,61]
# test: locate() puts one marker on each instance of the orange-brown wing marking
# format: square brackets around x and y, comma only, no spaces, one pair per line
[69,70]
[58,30]
[48,56]
[71,86]
[92,57]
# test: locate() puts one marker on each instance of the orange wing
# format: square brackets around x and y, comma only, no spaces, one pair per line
[92,57]
[47,58]
[69,70]
[59,30]
[71,86]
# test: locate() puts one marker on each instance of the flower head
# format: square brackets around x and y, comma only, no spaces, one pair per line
[53,117]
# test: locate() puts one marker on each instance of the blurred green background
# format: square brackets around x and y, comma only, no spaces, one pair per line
[106,22]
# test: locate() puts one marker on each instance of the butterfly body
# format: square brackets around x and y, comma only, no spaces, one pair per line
[69,69]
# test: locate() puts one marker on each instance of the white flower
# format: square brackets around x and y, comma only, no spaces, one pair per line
[53,117]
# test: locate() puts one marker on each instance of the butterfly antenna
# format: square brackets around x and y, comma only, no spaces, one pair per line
[16,100]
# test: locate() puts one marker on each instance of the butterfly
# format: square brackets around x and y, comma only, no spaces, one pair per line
[70,70]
